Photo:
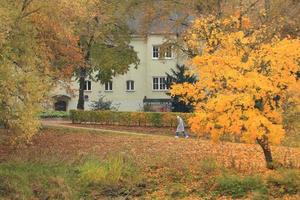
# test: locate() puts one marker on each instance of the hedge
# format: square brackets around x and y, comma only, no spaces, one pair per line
[156,119]
[53,114]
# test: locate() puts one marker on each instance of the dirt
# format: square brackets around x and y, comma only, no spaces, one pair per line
[140,129]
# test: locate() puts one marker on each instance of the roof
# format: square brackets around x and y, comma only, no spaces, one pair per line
[160,26]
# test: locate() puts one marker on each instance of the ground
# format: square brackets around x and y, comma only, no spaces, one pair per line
[170,168]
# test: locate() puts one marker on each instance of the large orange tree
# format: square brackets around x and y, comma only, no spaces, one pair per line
[245,78]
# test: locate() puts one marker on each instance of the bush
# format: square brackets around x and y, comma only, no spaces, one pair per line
[285,181]
[54,114]
[156,119]
[113,177]
[102,104]
[237,186]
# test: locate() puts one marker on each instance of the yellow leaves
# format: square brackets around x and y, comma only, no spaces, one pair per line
[246,22]
[215,134]
[276,134]
[243,82]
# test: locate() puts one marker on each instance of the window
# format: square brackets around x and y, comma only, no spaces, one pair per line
[159,83]
[130,85]
[88,86]
[109,86]
[166,52]
[155,83]
[155,52]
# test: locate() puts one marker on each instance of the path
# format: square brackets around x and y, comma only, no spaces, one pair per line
[68,124]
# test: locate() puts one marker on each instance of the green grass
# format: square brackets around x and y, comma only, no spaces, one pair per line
[27,180]
[239,186]
[115,176]
[284,181]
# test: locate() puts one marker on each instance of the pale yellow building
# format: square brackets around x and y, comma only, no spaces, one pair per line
[130,92]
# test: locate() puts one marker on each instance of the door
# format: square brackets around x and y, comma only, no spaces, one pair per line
[60,106]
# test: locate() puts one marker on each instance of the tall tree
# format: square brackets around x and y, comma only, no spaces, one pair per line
[246,79]
[178,76]
[36,48]
[105,42]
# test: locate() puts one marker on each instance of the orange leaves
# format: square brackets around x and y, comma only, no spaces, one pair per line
[56,37]
[243,82]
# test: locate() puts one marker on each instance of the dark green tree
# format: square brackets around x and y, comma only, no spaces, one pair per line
[176,76]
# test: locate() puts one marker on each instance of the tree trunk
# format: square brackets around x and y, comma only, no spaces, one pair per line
[267,152]
[219,8]
[80,104]
[267,8]
[83,74]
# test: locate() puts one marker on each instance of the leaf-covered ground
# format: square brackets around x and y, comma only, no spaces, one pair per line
[146,149]
[171,164]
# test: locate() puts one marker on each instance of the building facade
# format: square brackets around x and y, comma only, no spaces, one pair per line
[139,87]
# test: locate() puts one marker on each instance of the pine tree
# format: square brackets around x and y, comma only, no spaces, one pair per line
[177,76]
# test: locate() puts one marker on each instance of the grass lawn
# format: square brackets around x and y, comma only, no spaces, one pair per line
[80,164]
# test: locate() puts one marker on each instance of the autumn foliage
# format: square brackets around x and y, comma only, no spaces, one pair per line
[245,80]
[37,48]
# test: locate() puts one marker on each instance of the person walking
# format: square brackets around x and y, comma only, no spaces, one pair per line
[180,128]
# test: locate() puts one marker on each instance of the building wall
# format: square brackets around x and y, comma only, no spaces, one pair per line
[142,76]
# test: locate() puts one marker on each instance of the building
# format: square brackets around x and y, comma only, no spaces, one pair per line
[131,91]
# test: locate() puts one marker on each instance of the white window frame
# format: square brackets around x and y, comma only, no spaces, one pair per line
[87,86]
[130,86]
[157,52]
[160,83]
[169,48]
[108,86]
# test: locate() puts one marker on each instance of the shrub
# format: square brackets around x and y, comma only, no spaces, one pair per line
[112,177]
[285,181]
[237,186]
[156,119]
[169,119]
[54,114]
[113,171]
[102,104]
